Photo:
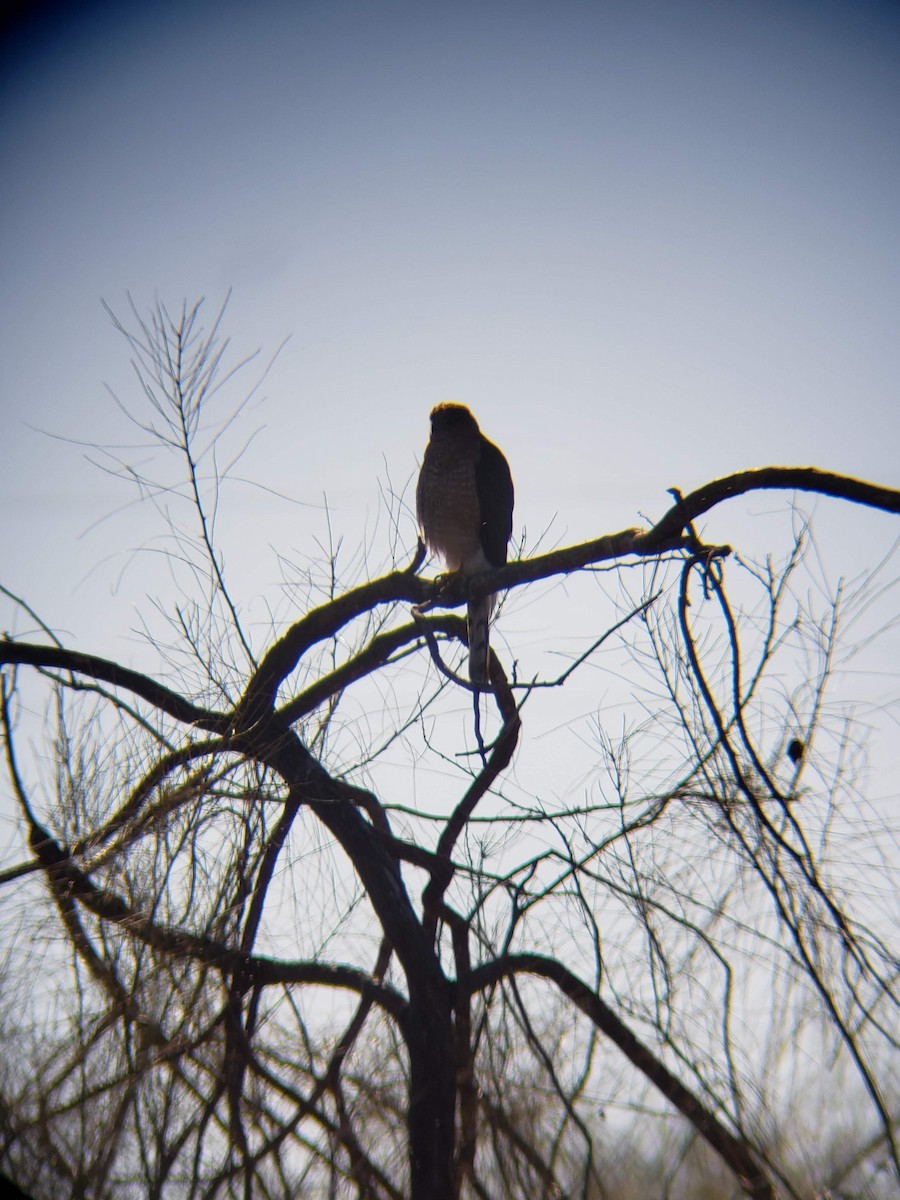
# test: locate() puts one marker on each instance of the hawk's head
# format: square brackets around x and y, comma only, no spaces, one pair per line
[452,418]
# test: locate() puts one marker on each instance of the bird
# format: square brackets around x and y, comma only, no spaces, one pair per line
[464,505]
[795,751]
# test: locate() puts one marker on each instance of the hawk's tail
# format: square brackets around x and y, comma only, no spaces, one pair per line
[478,619]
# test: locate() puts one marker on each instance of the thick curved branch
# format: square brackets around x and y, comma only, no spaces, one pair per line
[668,533]
[374,655]
[256,971]
[157,694]
[731,1149]
[799,479]
[322,623]
[328,619]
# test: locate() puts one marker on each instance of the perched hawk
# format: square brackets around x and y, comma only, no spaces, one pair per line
[464,503]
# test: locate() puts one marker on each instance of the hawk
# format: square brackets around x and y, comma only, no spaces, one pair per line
[464,504]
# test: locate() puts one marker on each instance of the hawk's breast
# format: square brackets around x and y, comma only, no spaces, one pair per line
[449,512]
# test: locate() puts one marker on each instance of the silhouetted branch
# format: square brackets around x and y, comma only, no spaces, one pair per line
[799,479]
[734,1151]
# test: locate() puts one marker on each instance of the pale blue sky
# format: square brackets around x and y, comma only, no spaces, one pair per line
[648,243]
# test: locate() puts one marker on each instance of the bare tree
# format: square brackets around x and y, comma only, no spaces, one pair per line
[299,938]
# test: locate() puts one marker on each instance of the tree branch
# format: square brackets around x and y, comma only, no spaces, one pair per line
[735,1152]
[157,694]
[799,479]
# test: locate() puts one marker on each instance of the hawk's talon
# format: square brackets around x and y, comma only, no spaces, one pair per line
[447,581]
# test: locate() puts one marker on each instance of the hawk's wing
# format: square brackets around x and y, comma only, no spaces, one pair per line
[494,485]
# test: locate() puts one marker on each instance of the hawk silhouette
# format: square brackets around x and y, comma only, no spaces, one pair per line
[464,503]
